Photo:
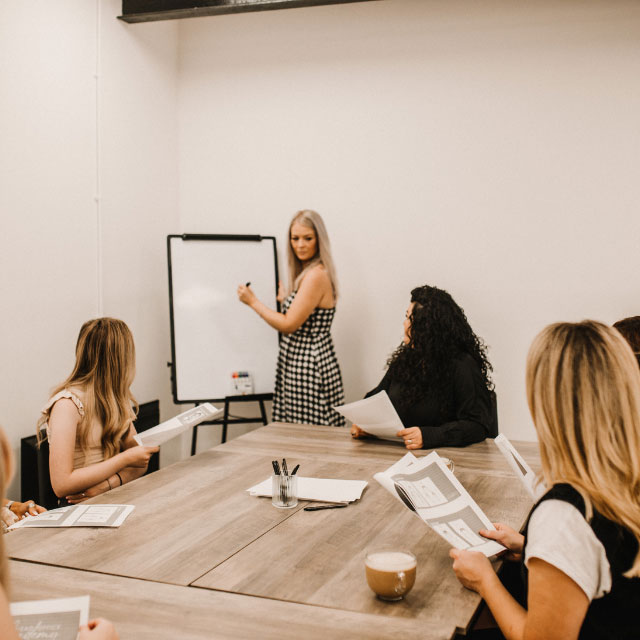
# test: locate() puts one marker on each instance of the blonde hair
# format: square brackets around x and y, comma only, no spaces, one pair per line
[6,473]
[104,370]
[313,220]
[583,390]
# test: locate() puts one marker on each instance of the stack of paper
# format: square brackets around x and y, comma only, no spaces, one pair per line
[156,436]
[79,515]
[318,489]
[375,415]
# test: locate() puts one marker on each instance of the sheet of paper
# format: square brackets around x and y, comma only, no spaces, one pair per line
[79,515]
[57,619]
[158,435]
[318,489]
[429,489]
[520,467]
[376,415]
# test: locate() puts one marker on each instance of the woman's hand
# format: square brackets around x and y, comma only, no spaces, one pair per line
[23,508]
[472,568]
[412,437]
[99,629]
[139,455]
[246,295]
[357,432]
[91,492]
[508,538]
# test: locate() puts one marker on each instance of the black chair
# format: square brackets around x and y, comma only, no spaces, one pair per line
[149,416]
[46,496]
[494,415]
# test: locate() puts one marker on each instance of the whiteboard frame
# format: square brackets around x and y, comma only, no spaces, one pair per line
[172,364]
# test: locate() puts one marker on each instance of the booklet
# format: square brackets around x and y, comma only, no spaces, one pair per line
[57,619]
[375,414]
[156,436]
[435,495]
[528,478]
[318,489]
[79,515]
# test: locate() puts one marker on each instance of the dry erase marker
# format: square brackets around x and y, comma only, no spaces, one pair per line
[248,284]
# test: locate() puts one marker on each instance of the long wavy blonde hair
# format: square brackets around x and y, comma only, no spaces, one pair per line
[6,473]
[313,220]
[583,389]
[104,371]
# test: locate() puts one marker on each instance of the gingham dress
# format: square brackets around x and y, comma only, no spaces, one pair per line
[308,380]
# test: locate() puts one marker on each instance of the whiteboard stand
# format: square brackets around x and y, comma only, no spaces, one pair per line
[226,420]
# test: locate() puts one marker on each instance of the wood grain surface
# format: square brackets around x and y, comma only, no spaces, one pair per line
[144,610]
[195,524]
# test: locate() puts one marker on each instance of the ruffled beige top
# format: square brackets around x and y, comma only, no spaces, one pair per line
[94,452]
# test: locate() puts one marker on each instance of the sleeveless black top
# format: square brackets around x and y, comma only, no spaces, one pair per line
[617,614]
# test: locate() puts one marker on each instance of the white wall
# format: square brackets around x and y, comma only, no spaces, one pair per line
[68,136]
[489,148]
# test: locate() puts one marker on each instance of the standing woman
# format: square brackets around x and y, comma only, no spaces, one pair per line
[308,380]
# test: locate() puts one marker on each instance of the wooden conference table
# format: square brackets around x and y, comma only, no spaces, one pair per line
[200,558]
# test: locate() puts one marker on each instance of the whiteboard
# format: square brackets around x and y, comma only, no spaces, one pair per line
[213,334]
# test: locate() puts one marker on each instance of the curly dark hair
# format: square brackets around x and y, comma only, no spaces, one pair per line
[630,330]
[439,334]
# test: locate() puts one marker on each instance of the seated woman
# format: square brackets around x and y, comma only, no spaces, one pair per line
[438,379]
[630,330]
[581,543]
[98,629]
[89,418]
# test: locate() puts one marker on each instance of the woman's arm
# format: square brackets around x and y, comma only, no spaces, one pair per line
[7,628]
[311,291]
[472,410]
[65,480]
[557,606]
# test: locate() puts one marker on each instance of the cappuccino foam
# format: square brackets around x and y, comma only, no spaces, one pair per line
[390,561]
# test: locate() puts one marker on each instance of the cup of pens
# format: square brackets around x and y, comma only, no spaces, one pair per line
[284,487]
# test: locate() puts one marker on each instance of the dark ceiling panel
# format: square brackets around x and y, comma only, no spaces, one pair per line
[151,10]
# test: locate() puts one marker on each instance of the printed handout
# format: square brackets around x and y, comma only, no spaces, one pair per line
[435,495]
[318,489]
[156,436]
[375,415]
[79,515]
[528,478]
[57,619]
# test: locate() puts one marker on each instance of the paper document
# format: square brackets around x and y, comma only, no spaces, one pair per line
[57,619]
[434,494]
[318,489]
[79,515]
[520,467]
[156,436]
[375,415]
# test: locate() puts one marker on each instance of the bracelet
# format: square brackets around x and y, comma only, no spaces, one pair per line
[119,478]
[109,483]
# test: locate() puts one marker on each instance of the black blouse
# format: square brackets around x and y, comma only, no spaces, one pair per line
[467,418]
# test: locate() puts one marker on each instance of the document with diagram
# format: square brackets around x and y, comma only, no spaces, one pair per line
[528,478]
[435,495]
[79,515]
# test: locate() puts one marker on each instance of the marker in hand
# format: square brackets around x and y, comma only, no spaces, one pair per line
[248,284]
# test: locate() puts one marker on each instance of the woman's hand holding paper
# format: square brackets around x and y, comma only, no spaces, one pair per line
[508,538]
[412,437]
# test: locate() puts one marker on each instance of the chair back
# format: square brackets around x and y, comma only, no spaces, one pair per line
[46,496]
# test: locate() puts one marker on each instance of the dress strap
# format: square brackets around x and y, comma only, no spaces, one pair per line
[65,393]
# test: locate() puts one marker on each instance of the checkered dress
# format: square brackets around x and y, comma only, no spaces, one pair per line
[308,380]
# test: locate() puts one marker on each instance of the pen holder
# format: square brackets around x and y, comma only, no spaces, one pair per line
[284,491]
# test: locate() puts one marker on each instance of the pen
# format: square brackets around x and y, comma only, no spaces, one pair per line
[276,468]
[284,466]
[293,473]
[326,506]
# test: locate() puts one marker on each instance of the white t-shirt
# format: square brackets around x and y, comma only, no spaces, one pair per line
[560,535]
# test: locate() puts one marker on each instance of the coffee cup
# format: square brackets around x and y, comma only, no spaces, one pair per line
[391,573]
